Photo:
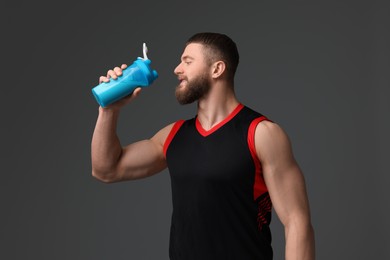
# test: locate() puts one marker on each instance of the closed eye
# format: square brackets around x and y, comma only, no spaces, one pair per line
[187,59]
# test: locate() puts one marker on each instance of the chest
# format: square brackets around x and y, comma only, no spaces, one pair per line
[222,157]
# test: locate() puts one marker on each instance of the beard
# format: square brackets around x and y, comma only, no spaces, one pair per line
[194,90]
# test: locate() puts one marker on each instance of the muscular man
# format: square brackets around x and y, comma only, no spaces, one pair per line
[229,165]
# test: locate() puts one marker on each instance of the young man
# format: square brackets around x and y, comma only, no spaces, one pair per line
[226,165]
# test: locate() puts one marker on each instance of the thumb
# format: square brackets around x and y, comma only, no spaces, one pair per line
[133,95]
[136,92]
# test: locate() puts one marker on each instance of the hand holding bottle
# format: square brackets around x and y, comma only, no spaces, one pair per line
[121,82]
[113,74]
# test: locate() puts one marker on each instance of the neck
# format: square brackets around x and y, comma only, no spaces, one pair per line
[217,105]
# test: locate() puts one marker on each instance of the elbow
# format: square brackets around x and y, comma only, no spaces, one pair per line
[299,222]
[300,228]
[105,177]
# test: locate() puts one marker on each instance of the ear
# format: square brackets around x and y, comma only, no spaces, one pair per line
[217,69]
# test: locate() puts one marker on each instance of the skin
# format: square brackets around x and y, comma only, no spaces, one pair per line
[113,163]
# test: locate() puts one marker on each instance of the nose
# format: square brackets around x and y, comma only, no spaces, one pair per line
[178,70]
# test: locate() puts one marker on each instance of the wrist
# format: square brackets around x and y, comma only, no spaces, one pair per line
[109,110]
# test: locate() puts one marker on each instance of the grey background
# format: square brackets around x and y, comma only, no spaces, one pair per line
[320,70]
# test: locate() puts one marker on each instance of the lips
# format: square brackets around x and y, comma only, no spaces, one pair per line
[182,83]
[181,80]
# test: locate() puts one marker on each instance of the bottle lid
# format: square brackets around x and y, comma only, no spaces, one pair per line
[144,64]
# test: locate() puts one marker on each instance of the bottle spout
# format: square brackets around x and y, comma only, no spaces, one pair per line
[145,51]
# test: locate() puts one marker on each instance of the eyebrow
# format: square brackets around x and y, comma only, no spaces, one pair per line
[187,57]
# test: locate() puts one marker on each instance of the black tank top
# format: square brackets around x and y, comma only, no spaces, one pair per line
[221,206]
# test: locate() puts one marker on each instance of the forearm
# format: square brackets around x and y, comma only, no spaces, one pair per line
[105,148]
[300,242]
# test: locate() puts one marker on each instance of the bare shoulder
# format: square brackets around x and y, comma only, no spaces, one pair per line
[160,137]
[268,131]
[272,142]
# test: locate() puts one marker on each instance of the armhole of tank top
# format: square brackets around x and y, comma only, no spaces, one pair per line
[171,135]
[259,184]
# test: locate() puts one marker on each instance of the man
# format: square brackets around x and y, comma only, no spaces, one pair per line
[226,165]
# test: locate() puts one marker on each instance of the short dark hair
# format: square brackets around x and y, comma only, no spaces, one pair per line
[219,47]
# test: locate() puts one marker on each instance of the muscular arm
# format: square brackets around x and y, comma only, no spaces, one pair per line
[287,190]
[112,163]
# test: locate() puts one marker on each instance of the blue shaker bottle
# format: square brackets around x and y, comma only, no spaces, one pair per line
[138,74]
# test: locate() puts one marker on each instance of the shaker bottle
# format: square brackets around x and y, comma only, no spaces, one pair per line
[138,74]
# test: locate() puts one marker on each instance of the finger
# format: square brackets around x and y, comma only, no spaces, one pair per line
[118,71]
[123,66]
[103,79]
[111,74]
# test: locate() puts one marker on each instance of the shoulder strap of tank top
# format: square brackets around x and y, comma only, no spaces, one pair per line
[259,186]
[172,134]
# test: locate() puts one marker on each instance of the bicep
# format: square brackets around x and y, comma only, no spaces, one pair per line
[143,158]
[282,175]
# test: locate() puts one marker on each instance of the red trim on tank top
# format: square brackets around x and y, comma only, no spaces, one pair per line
[259,186]
[205,133]
[171,135]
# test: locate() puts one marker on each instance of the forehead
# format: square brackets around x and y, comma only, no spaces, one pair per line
[193,50]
